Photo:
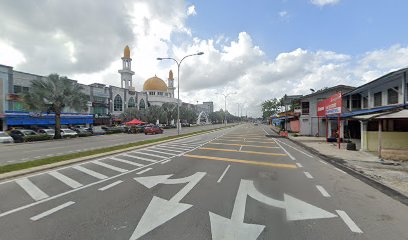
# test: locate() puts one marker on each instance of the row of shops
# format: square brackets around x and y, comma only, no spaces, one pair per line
[374,116]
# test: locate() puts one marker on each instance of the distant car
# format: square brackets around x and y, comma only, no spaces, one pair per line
[49,132]
[136,129]
[152,129]
[5,138]
[97,130]
[68,133]
[80,130]
[256,124]
[18,135]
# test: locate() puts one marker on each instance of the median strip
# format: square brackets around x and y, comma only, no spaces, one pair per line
[57,161]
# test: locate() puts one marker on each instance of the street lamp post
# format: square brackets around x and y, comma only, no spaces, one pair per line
[178,84]
[225,105]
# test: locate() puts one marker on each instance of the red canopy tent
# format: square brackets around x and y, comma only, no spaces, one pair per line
[134,122]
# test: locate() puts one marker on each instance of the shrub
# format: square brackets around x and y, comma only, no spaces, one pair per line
[39,137]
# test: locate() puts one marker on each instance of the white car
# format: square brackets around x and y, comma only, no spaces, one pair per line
[5,138]
[65,132]
[49,132]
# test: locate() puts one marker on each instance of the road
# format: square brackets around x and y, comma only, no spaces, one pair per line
[22,152]
[230,184]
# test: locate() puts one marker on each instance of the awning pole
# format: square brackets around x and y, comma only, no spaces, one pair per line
[338,128]
[327,129]
[318,126]
[379,138]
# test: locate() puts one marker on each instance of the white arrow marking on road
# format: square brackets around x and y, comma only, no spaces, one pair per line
[228,229]
[161,210]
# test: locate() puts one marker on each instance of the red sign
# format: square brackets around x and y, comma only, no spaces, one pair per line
[329,106]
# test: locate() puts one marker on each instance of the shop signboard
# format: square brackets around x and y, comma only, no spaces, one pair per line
[330,106]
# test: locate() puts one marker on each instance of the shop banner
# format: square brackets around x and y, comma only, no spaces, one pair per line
[329,106]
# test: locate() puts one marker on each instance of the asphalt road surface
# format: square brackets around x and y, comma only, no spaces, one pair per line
[229,184]
[22,152]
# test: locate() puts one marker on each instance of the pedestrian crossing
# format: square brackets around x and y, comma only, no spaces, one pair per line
[45,185]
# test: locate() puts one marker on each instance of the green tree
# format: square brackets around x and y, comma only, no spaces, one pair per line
[53,94]
[270,107]
[170,111]
[155,113]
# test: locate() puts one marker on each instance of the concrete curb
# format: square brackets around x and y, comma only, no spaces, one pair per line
[19,173]
[340,164]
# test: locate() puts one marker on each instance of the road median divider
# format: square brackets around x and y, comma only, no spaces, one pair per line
[23,168]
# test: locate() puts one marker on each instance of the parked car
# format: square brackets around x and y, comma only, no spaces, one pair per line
[136,129]
[185,124]
[68,133]
[152,129]
[18,135]
[97,130]
[49,132]
[5,138]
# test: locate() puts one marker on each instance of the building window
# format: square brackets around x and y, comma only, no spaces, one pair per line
[356,101]
[393,95]
[305,108]
[152,93]
[99,99]
[99,110]
[377,99]
[117,103]
[16,106]
[160,93]
[131,103]
[142,104]
[17,89]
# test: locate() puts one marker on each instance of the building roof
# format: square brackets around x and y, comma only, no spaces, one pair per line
[377,81]
[155,84]
[348,88]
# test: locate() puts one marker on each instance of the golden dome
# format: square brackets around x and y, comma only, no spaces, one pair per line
[155,84]
[126,52]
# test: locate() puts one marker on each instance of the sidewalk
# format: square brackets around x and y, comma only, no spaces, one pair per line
[392,174]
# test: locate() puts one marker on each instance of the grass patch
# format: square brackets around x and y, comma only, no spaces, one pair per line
[55,159]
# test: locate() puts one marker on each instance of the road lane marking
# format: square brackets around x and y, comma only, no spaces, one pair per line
[349,222]
[281,165]
[237,144]
[299,165]
[126,161]
[155,151]
[322,191]
[90,172]
[174,147]
[165,161]
[295,149]
[144,170]
[140,158]
[31,189]
[110,185]
[308,175]
[240,148]
[109,166]
[51,211]
[323,162]
[223,174]
[340,170]
[149,154]
[168,149]
[228,140]
[68,181]
[250,152]
[290,155]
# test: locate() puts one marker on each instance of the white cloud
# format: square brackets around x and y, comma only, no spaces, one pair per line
[283,14]
[322,3]
[191,11]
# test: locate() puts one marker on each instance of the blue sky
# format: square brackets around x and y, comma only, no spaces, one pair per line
[258,49]
[351,27]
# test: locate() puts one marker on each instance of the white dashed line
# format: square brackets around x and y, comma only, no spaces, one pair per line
[110,185]
[323,162]
[349,222]
[223,174]
[308,175]
[322,191]
[299,165]
[290,155]
[165,161]
[340,170]
[144,170]
[51,211]
[296,149]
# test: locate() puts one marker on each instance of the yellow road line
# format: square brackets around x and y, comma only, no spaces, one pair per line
[231,140]
[250,152]
[237,144]
[280,165]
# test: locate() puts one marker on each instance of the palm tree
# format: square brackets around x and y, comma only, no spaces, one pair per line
[53,94]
